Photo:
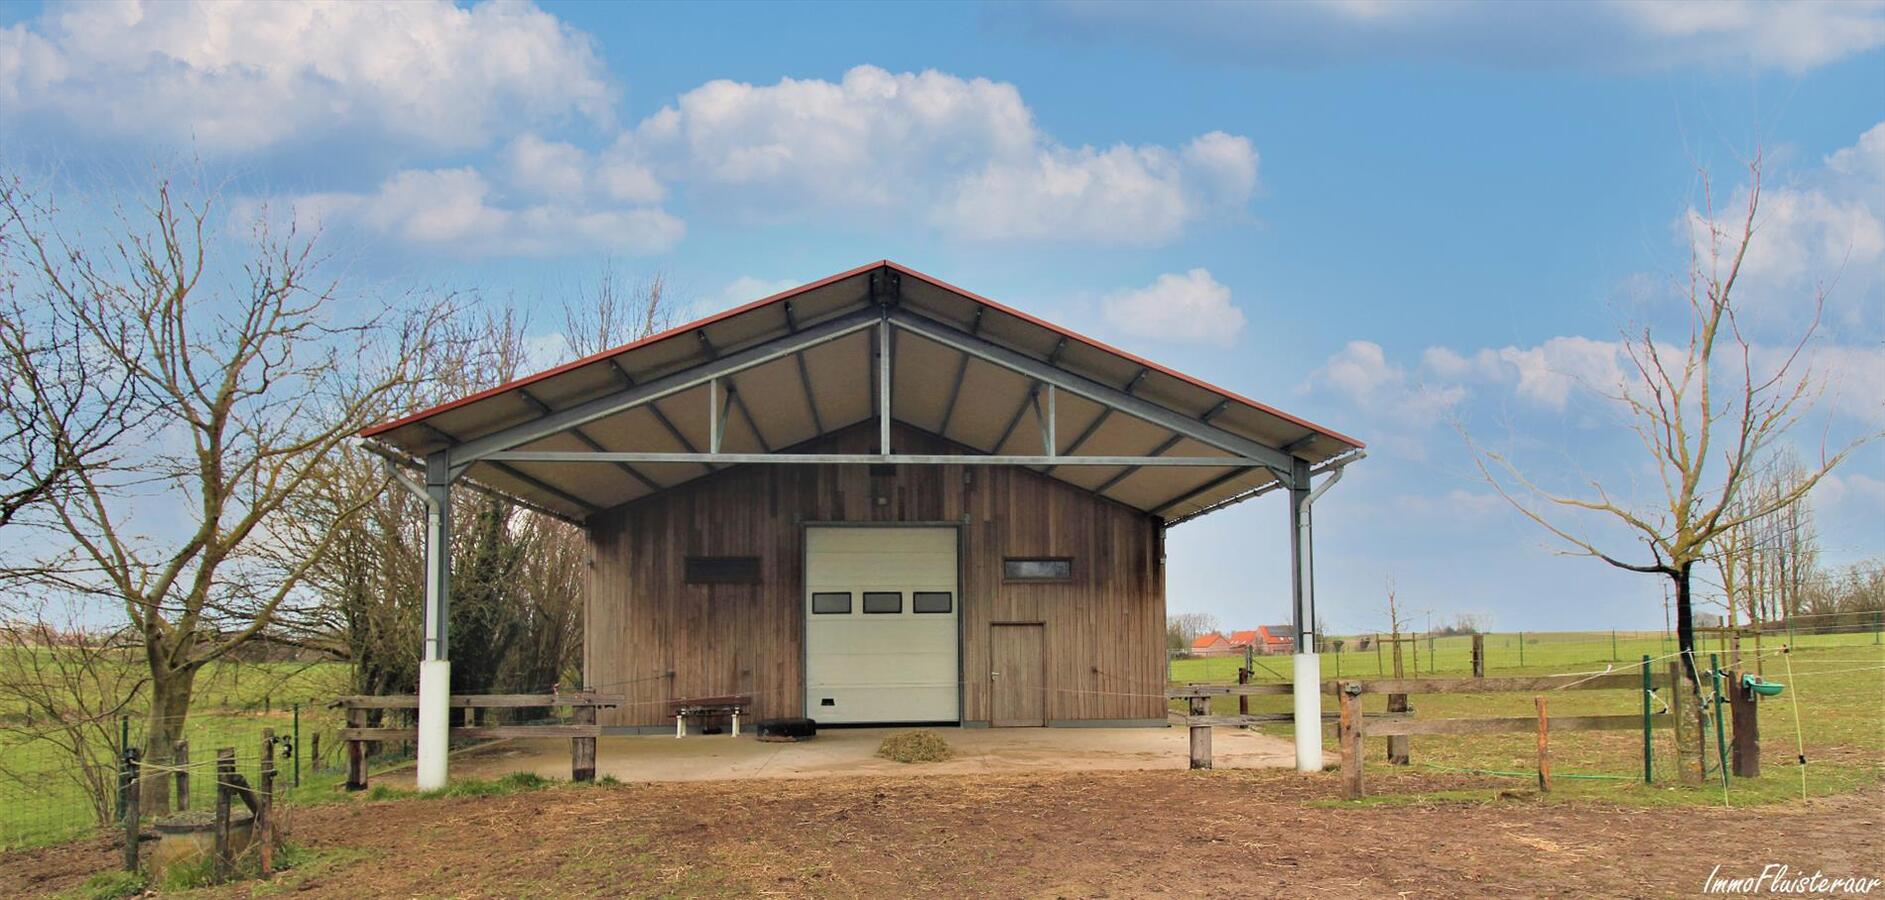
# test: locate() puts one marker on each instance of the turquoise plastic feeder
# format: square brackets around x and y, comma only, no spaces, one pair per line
[1762,688]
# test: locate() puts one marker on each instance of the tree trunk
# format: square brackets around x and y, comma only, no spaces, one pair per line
[1690,733]
[170,704]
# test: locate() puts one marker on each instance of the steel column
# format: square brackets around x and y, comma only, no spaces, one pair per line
[883,387]
[435,670]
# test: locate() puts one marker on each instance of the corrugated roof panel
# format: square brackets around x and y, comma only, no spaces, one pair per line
[776,398]
[990,396]
[922,378]
[842,373]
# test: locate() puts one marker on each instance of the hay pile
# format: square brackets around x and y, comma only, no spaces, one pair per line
[915,746]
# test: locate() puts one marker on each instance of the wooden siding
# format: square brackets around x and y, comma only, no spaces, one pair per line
[653,638]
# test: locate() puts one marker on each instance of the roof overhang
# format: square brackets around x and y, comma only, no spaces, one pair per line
[880,342]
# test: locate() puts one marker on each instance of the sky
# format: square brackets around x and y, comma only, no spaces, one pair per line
[1410,222]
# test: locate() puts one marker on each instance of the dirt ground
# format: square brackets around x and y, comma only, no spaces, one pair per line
[1224,833]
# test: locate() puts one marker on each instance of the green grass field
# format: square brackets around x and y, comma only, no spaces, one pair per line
[1836,690]
[41,801]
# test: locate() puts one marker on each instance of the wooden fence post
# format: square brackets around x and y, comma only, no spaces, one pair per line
[225,785]
[1348,735]
[356,752]
[1479,656]
[131,811]
[264,829]
[182,758]
[1544,746]
[582,750]
[1747,729]
[1200,734]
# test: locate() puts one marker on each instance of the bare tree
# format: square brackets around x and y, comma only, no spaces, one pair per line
[245,377]
[1183,628]
[66,685]
[1767,560]
[517,585]
[1705,413]
[614,311]
[58,415]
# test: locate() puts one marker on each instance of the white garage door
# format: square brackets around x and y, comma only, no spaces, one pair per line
[880,625]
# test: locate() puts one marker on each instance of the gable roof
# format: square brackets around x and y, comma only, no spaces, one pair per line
[821,389]
[1242,638]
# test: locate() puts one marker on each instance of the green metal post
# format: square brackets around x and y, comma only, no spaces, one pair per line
[1721,737]
[296,746]
[1648,746]
[1521,649]
[1613,645]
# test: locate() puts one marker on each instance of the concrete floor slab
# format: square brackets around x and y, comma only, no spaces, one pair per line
[852,751]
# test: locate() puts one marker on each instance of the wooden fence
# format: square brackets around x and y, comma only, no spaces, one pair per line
[582,729]
[1399,723]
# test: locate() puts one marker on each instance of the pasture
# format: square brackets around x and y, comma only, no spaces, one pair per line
[1836,691]
[42,796]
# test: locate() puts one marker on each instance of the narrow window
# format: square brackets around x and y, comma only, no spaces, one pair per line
[931,602]
[831,604]
[883,602]
[722,570]
[1058,568]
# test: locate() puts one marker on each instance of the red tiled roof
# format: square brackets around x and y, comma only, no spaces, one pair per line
[1207,639]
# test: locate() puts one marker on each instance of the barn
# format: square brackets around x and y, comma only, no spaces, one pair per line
[876,498]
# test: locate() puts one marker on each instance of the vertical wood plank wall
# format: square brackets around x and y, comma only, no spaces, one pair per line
[652,637]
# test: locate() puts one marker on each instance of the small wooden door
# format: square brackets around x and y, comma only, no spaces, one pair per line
[1017,676]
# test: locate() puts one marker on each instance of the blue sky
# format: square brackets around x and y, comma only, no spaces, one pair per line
[1384,217]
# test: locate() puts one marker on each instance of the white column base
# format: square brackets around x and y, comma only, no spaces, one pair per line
[435,716]
[1308,694]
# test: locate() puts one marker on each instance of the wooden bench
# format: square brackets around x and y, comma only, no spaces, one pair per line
[702,707]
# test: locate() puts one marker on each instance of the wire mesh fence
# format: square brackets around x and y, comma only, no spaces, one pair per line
[1524,651]
[65,781]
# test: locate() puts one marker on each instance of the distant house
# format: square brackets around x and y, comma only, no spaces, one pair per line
[1241,639]
[1276,639]
[1210,643]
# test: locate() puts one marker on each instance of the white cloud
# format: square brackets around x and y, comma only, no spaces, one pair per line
[459,212]
[1547,373]
[1608,35]
[237,76]
[1850,490]
[1192,308]
[746,289]
[1362,373]
[965,154]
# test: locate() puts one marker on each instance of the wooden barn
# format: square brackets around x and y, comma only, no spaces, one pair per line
[875,498]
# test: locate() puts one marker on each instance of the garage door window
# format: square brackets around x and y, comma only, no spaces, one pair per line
[831,604]
[931,602]
[883,602]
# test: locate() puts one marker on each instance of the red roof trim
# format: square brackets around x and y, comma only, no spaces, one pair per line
[787,294]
